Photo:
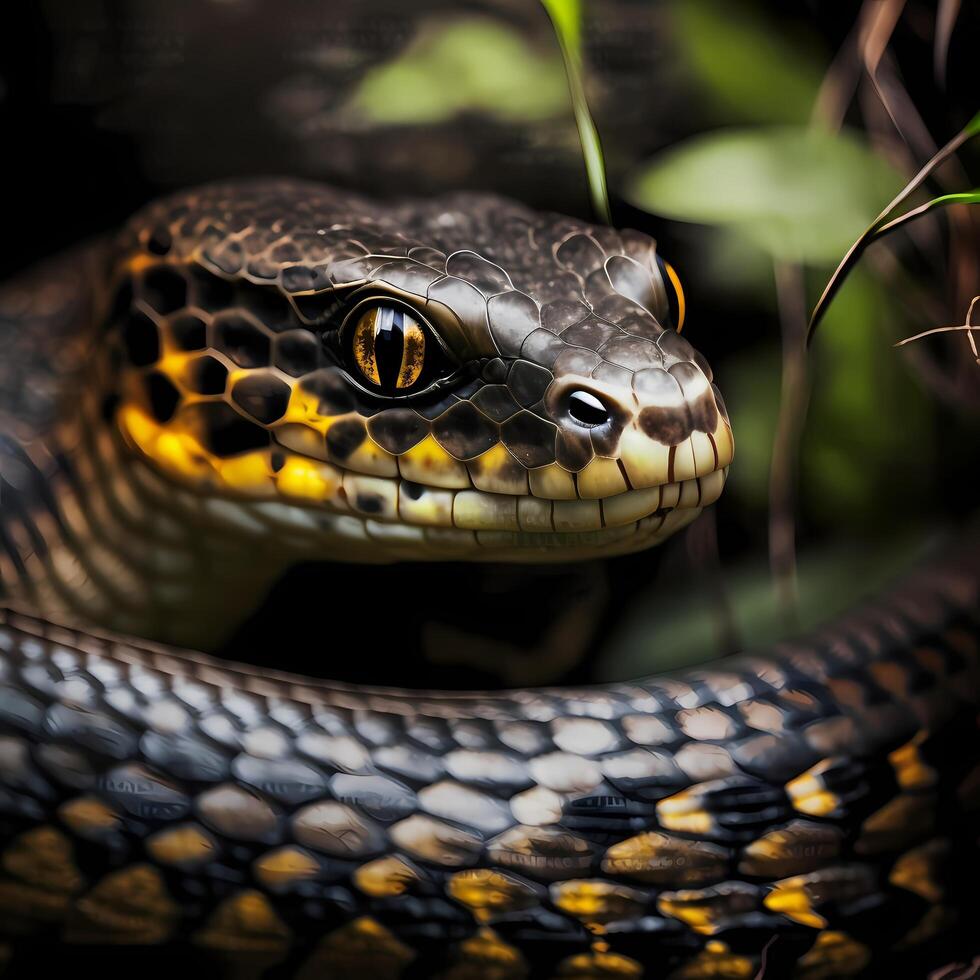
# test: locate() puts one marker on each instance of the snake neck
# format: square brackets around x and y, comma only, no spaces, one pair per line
[90,532]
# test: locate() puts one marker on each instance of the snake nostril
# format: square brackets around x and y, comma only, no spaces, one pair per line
[586,409]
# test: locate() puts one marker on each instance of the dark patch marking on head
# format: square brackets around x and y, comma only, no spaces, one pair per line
[141,340]
[530,438]
[697,394]
[262,395]
[669,426]
[222,431]
[188,332]
[162,395]
[465,432]
[297,352]
[207,376]
[344,437]
[704,413]
[396,430]
[241,340]
[719,401]
[164,288]
[528,382]
[369,503]
[331,390]
[573,449]
[496,401]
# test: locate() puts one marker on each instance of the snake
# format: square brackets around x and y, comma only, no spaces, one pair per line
[261,372]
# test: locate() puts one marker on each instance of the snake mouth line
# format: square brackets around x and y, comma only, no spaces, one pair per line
[394,500]
[407,519]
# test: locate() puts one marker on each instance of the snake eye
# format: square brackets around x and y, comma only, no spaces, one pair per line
[392,351]
[676,305]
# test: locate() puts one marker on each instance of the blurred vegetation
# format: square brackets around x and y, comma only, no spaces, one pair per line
[798,193]
[778,189]
[682,629]
[463,64]
[566,16]
[865,421]
[744,66]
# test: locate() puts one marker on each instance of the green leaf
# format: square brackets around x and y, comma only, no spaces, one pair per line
[749,68]
[945,200]
[800,194]
[881,225]
[566,16]
[468,64]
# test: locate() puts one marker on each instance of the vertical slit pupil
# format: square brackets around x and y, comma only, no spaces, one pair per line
[389,342]
[388,349]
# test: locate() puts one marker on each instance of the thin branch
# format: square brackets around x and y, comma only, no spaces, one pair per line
[704,557]
[794,399]
[946,14]
[968,328]
[886,81]
[967,197]
[838,85]
[965,327]
[857,249]
[763,962]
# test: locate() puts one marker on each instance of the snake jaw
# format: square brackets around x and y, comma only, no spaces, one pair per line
[559,516]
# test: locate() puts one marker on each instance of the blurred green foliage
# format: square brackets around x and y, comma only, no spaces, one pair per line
[667,628]
[465,64]
[774,190]
[866,453]
[743,65]
[566,18]
[802,195]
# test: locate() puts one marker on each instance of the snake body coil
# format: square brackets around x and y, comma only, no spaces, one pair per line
[253,374]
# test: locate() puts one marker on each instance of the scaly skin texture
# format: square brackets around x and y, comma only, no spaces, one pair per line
[174,441]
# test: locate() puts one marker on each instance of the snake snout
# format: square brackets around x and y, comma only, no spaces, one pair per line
[655,426]
[680,430]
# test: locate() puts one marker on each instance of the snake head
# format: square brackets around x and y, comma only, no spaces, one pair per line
[455,378]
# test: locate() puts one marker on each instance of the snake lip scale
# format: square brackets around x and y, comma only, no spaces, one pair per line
[255,373]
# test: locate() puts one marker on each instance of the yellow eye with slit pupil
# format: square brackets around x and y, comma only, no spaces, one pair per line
[389,347]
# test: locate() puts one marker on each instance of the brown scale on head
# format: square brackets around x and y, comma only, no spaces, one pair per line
[455,378]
